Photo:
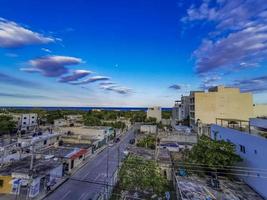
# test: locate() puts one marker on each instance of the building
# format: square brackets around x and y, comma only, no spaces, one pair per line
[260,110]
[148,129]
[60,123]
[190,187]
[185,103]
[177,112]
[27,122]
[39,141]
[154,112]
[250,140]
[218,102]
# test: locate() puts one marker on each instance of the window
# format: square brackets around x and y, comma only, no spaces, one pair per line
[24,122]
[1,183]
[32,117]
[80,157]
[242,148]
[45,142]
[255,151]
[25,117]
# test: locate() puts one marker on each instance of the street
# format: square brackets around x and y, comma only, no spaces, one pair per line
[89,181]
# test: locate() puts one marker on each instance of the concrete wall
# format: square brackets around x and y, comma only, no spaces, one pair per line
[148,129]
[260,110]
[154,112]
[223,103]
[254,157]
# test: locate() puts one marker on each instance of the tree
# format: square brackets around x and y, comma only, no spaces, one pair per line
[139,174]
[147,142]
[52,115]
[7,125]
[213,154]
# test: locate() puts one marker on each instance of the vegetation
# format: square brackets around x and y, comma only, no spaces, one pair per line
[137,174]
[166,114]
[53,115]
[7,125]
[213,154]
[147,142]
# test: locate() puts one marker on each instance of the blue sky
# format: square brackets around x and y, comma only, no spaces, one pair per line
[129,53]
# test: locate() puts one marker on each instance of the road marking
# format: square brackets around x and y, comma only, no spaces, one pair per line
[66,194]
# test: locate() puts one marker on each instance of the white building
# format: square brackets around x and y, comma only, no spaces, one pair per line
[177,111]
[148,129]
[26,121]
[154,112]
[250,146]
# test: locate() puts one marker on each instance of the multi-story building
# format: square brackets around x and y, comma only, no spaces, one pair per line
[260,110]
[219,102]
[177,111]
[154,112]
[185,103]
[250,141]
[26,121]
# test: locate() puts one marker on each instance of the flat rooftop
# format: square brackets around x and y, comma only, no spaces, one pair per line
[194,187]
[40,166]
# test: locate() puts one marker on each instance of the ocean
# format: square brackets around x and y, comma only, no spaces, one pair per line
[80,108]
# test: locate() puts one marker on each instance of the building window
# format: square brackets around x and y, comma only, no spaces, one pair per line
[1,183]
[45,142]
[25,117]
[32,117]
[80,157]
[242,148]
[24,122]
[255,151]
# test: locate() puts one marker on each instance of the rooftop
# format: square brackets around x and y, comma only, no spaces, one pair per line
[194,187]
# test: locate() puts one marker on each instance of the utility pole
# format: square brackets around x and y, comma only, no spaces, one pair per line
[107,168]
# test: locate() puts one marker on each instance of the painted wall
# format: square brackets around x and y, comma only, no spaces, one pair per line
[6,185]
[255,155]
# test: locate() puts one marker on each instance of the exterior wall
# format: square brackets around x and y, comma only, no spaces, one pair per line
[6,187]
[28,120]
[60,122]
[154,112]
[254,156]
[148,129]
[177,111]
[260,110]
[185,103]
[220,103]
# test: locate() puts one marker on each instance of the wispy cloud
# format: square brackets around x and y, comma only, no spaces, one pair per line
[91,80]
[46,50]
[11,80]
[23,96]
[239,36]
[175,87]
[255,85]
[52,66]
[14,35]
[75,76]
[116,88]
[106,83]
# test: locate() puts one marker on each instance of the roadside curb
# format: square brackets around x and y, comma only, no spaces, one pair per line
[54,189]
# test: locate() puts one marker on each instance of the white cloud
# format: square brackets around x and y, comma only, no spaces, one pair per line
[52,66]
[13,35]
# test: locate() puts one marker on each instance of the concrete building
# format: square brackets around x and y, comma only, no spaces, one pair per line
[177,112]
[60,123]
[250,145]
[154,112]
[148,129]
[218,102]
[26,122]
[185,103]
[260,110]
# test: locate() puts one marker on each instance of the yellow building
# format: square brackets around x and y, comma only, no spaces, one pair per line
[260,110]
[219,102]
[5,184]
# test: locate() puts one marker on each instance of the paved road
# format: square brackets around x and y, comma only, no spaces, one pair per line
[93,174]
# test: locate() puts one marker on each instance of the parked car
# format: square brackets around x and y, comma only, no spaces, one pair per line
[132,141]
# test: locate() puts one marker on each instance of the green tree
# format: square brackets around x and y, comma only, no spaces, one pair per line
[52,115]
[213,153]
[147,142]
[139,174]
[7,125]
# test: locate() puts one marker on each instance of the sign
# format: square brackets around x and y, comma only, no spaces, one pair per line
[34,187]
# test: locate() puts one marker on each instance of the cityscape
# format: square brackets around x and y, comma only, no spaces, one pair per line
[137,99]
